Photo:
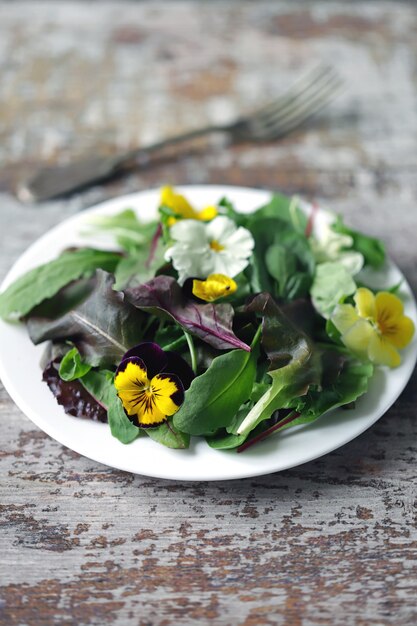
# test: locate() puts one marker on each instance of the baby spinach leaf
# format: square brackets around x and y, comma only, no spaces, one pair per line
[72,366]
[225,441]
[99,383]
[120,425]
[169,436]
[285,209]
[212,323]
[332,282]
[103,327]
[263,232]
[214,397]
[281,263]
[46,280]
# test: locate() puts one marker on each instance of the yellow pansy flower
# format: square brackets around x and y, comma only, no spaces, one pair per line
[151,383]
[180,205]
[214,287]
[376,328]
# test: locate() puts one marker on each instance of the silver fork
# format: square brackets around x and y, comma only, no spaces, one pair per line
[275,120]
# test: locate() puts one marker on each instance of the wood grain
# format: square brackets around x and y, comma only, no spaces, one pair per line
[330,542]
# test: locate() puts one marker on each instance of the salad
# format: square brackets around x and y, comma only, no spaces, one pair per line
[212,323]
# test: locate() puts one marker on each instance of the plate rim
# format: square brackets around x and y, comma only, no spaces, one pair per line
[251,471]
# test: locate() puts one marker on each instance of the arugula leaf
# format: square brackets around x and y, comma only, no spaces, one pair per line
[214,397]
[72,366]
[372,249]
[103,327]
[163,297]
[332,282]
[294,365]
[169,436]
[46,280]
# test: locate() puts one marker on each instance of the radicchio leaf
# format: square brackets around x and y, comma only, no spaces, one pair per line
[72,395]
[162,296]
[103,327]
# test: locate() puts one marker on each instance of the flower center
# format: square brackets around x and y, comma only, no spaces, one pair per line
[216,246]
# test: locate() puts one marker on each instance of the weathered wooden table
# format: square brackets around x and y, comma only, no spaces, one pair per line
[331,542]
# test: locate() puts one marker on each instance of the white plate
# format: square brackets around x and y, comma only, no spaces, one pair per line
[21,376]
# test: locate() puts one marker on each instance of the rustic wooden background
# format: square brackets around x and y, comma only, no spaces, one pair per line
[329,543]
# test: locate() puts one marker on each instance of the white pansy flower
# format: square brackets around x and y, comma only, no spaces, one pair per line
[200,249]
[327,245]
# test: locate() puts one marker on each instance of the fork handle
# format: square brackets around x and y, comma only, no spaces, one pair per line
[56,181]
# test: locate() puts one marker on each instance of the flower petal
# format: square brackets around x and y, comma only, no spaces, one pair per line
[192,232]
[130,374]
[220,229]
[357,337]
[151,354]
[214,287]
[178,203]
[344,317]
[208,213]
[365,303]
[179,367]
[388,308]
[149,415]
[382,352]
[168,393]
[400,332]
[130,381]
[241,243]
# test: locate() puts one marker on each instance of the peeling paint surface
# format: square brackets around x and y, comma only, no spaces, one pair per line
[333,542]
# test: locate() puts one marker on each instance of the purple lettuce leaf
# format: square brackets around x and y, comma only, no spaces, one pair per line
[162,296]
[72,395]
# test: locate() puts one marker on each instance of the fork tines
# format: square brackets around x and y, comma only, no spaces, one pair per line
[305,98]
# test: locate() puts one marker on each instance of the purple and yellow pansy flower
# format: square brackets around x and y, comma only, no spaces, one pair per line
[151,383]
